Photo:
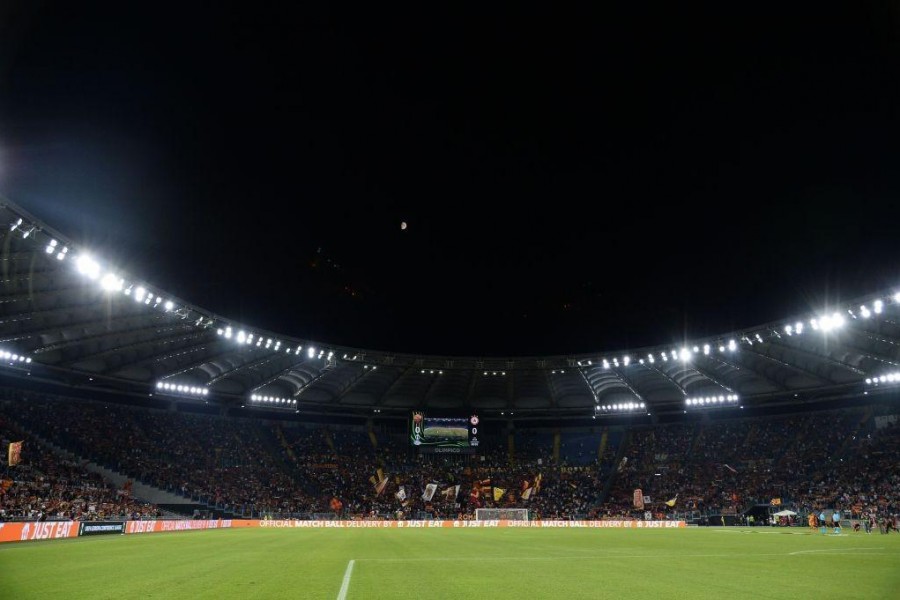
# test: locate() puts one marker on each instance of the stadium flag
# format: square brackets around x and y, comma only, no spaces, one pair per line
[527,493]
[775,502]
[336,505]
[380,474]
[430,489]
[730,468]
[15,453]
[639,499]
[537,483]
[671,503]
[379,487]
[451,492]
[401,494]
[498,493]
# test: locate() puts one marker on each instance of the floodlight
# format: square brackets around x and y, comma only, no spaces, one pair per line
[139,294]
[706,349]
[111,283]
[87,266]
[626,360]
[685,354]
[732,345]
[878,305]
[311,352]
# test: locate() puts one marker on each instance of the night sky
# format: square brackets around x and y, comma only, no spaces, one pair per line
[572,181]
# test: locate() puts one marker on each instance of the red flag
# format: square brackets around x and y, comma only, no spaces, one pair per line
[336,505]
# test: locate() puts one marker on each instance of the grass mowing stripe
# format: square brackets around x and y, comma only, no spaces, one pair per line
[456,563]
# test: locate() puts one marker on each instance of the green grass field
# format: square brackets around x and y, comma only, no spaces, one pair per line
[457,563]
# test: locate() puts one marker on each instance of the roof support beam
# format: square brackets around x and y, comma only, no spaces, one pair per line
[756,372]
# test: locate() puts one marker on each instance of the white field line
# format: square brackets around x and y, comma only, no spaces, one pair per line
[606,557]
[835,551]
[345,584]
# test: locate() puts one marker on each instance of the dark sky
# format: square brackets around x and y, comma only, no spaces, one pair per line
[572,181]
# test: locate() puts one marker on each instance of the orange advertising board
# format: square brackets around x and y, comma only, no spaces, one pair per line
[47,530]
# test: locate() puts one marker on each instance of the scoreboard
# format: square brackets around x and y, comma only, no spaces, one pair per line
[444,434]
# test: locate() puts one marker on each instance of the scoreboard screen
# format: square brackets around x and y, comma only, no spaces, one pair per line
[450,434]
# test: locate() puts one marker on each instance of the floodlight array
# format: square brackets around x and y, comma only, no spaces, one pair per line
[273,400]
[373,367]
[720,400]
[14,358]
[494,373]
[621,407]
[887,378]
[256,340]
[183,389]
[431,372]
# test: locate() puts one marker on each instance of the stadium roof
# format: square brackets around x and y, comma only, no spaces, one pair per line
[72,317]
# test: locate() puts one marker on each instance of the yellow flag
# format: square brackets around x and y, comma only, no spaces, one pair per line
[15,453]
[672,501]
[498,493]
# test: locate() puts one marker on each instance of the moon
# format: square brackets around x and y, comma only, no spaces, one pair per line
[403,225]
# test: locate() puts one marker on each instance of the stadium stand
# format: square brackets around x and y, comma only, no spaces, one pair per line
[842,458]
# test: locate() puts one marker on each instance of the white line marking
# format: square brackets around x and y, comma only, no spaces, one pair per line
[345,585]
[839,550]
[607,557]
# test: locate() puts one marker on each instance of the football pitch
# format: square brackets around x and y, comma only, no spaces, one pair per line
[457,563]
